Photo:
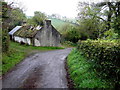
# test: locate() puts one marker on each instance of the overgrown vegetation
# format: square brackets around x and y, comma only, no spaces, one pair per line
[82,72]
[19,52]
[5,20]
[11,16]
[37,19]
[95,63]
[70,33]
[99,21]
[97,18]
[68,44]
[105,55]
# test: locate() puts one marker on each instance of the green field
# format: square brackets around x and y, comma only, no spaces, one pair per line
[57,23]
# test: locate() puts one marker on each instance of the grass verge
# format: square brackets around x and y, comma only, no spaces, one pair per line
[82,73]
[68,44]
[17,53]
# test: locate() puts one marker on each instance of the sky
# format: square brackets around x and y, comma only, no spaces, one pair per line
[66,8]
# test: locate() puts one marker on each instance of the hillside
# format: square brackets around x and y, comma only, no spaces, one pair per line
[57,23]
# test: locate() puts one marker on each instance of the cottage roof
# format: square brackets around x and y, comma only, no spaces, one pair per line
[26,31]
[14,30]
[29,31]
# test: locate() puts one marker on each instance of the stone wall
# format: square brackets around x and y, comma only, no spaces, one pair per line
[48,36]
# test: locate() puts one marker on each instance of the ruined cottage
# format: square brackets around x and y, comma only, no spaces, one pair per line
[37,36]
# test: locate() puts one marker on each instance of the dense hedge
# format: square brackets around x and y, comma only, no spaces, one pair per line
[5,41]
[106,57]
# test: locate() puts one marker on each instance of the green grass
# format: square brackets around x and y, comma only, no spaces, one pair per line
[69,44]
[58,23]
[11,59]
[18,52]
[82,73]
[19,47]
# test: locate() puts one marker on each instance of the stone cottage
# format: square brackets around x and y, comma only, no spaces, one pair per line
[37,36]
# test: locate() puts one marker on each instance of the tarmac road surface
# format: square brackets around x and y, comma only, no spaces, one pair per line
[41,70]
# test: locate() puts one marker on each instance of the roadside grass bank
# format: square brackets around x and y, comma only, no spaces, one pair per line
[18,52]
[67,44]
[82,72]
[105,54]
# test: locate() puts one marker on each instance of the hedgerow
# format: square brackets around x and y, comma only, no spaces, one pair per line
[82,73]
[105,55]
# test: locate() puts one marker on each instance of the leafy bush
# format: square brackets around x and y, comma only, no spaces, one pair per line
[5,41]
[68,43]
[71,33]
[110,34]
[105,55]
[82,73]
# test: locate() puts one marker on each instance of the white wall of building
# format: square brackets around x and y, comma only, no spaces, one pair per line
[37,42]
[28,41]
[20,39]
[17,39]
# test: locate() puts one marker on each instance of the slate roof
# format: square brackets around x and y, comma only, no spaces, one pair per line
[14,30]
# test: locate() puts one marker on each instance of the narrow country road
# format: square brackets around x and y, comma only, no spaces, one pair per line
[41,70]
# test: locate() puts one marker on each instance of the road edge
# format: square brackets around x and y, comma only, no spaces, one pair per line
[70,82]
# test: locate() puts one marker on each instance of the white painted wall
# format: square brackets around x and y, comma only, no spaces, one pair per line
[28,41]
[20,39]
[17,39]
[37,43]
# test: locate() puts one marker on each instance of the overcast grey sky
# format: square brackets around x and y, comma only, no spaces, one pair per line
[62,7]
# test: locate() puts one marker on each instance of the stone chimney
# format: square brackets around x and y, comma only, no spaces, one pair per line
[24,23]
[47,23]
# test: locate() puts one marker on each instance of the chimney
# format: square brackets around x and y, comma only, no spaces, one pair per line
[24,23]
[47,23]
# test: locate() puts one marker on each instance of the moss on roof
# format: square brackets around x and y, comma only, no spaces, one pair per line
[25,31]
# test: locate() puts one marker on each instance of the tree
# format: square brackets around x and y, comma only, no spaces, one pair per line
[104,15]
[72,33]
[89,20]
[17,17]
[6,9]
[11,16]
[112,10]
[37,19]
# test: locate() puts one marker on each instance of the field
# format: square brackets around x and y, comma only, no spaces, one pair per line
[57,23]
